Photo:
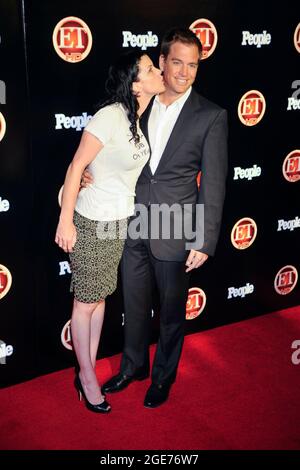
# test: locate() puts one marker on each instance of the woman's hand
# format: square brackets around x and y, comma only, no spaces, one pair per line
[66,236]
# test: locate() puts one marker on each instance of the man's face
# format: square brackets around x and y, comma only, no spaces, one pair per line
[179,67]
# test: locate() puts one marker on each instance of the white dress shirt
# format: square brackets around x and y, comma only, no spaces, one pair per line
[161,122]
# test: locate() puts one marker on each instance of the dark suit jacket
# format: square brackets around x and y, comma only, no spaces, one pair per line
[198,142]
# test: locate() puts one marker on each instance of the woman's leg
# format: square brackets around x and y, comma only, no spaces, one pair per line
[96,328]
[81,339]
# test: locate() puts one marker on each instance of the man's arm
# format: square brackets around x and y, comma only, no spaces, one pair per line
[213,179]
[212,188]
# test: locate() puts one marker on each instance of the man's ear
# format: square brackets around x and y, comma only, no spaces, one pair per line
[162,62]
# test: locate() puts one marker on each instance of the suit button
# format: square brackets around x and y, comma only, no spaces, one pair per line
[152,181]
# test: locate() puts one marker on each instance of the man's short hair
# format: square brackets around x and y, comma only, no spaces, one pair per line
[183,35]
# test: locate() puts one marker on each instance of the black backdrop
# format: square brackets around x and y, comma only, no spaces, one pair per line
[34,156]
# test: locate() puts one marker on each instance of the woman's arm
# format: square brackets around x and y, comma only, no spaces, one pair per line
[88,148]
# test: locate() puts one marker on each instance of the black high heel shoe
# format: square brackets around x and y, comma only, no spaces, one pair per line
[103,407]
[76,371]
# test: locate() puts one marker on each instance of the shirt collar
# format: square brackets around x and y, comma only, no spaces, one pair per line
[177,103]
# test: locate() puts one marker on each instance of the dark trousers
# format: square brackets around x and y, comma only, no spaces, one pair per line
[140,270]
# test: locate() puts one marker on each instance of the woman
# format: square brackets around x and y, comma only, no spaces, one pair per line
[115,151]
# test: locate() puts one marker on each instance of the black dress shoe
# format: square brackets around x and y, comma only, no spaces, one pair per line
[121,381]
[156,395]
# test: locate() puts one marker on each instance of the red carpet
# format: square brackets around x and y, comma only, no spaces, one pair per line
[236,389]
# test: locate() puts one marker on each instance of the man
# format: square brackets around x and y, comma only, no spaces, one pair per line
[187,133]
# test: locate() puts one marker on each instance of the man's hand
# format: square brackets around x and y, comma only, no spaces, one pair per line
[86,179]
[195,260]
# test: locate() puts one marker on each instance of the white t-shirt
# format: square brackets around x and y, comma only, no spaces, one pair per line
[115,169]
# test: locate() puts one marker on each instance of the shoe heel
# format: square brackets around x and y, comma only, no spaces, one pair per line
[102,407]
[77,387]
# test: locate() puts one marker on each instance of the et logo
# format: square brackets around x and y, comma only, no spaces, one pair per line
[251,108]
[72,39]
[195,303]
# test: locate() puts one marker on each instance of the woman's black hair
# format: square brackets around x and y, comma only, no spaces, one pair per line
[118,86]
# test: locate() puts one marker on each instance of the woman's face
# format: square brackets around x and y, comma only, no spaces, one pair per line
[150,81]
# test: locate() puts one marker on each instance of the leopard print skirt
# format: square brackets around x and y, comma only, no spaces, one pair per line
[96,257]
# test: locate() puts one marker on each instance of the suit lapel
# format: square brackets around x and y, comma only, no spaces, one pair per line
[144,121]
[144,128]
